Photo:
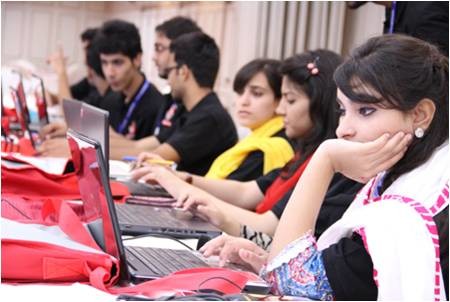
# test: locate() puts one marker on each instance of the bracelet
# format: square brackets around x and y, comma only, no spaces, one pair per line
[189,178]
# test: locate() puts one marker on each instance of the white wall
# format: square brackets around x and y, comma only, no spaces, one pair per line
[31,31]
[361,24]
[243,30]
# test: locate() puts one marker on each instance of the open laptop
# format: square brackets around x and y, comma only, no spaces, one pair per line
[22,128]
[36,102]
[14,101]
[94,122]
[136,263]
[137,219]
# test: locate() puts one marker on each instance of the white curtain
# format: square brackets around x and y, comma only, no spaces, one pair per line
[289,28]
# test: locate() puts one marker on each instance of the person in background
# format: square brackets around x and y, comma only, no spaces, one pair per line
[258,85]
[392,243]
[205,129]
[310,117]
[82,89]
[133,115]
[102,94]
[134,105]
[165,33]
[171,109]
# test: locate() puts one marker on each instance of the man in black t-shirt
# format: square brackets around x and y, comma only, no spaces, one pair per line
[165,33]
[205,129]
[132,101]
[133,112]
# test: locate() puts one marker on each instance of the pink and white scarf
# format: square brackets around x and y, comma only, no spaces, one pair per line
[399,232]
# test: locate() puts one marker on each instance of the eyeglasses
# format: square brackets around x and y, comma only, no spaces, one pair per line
[160,48]
[167,70]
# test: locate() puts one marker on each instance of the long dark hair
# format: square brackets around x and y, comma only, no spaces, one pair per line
[403,70]
[321,91]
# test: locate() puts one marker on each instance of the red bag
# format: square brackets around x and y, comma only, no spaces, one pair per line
[22,145]
[190,281]
[41,184]
[66,252]
[62,252]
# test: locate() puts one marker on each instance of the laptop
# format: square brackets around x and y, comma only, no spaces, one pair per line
[22,127]
[94,122]
[89,120]
[14,101]
[138,219]
[36,102]
[136,263]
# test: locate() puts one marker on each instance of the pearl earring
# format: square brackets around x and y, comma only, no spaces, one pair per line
[419,132]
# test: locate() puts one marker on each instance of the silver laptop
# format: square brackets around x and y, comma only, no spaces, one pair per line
[136,219]
[89,120]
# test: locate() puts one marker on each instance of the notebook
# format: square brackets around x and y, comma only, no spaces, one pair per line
[136,263]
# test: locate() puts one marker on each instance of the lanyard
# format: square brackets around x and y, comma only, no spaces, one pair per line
[392,21]
[133,105]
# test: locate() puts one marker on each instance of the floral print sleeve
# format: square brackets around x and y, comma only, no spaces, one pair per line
[299,271]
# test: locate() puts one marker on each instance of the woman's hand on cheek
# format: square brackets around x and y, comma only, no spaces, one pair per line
[362,161]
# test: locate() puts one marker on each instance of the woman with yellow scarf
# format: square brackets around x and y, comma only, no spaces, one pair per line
[258,85]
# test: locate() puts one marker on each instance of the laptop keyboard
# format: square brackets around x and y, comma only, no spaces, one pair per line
[166,261]
[138,215]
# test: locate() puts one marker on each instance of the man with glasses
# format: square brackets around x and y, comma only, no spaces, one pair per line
[166,32]
[205,129]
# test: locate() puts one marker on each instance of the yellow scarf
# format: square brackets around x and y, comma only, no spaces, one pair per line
[277,150]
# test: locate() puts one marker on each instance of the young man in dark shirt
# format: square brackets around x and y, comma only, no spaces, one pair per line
[132,102]
[166,32]
[133,115]
[205,129]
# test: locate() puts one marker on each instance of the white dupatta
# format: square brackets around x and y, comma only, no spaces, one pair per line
[398,230]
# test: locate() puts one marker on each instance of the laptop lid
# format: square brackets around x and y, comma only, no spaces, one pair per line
[12,94]
[97,198]
[36,101]
[72,109]
[90,121]
[17,93]
[95,124]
